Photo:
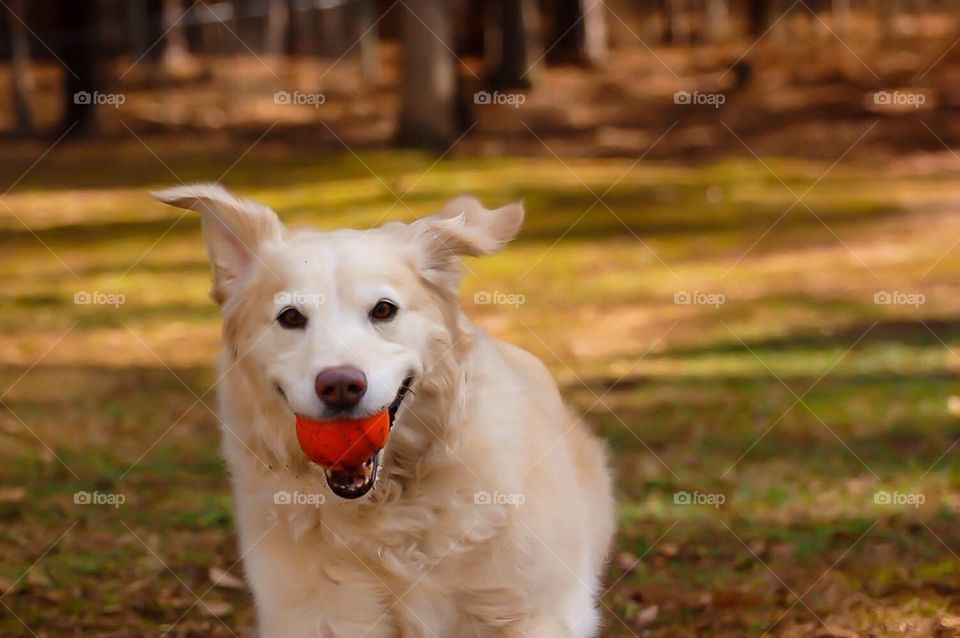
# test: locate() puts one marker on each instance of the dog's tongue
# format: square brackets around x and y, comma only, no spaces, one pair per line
[344,443]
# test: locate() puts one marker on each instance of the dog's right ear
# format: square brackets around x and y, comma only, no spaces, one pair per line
[233,229]
[464,227]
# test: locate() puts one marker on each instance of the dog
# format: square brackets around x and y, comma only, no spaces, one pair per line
[488,512]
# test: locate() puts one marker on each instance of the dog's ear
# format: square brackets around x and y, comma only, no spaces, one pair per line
[463,227]
[233,229]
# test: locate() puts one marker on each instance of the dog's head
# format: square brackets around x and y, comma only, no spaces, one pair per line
[338,326]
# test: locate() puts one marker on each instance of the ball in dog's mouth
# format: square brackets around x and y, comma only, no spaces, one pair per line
[349,450]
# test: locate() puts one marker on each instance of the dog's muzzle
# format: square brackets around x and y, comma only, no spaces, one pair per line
[355,481]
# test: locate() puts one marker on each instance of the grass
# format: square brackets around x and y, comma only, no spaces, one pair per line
[795,400]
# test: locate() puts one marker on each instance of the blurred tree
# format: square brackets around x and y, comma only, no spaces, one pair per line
[841,16]
[579,31]
[175,52]
[757,14]
[20,62]
[369,39]
[677,29]
[513,39]
[717,20]
[80,51]
[275,27]
[428,87]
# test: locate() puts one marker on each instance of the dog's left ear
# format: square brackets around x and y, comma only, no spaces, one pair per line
[233,229]
[464,228]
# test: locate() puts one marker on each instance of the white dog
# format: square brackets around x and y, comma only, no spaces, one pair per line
[488,512]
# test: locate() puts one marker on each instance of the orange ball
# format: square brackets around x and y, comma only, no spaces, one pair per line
[344,442]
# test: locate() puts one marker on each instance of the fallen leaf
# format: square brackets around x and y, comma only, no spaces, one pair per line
[12,494]
[953,405]
[36,577]
[218,608]
[669,550]
[226,580]
[950,622]
[648,615]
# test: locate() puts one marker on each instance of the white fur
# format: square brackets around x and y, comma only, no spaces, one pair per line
[421,554]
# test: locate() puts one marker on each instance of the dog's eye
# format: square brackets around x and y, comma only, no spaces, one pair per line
[291,318]
[383,310]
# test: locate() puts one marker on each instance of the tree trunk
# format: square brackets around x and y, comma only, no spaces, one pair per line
[79,50]
[717,20]
[369,39]
[841,16]
[514,42]
[20,67]
[757,17]
[175,52]
[333,31]
[275,27]
[579,33]
[428,90]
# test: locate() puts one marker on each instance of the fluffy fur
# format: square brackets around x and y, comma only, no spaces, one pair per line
[492,513]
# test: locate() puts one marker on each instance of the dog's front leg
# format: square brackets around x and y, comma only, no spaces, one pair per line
[542,626]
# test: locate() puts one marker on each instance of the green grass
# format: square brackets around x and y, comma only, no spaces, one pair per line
[701,398]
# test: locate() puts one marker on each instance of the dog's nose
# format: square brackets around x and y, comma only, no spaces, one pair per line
[341,387]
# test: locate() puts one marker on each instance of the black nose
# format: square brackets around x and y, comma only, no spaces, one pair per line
[341,387]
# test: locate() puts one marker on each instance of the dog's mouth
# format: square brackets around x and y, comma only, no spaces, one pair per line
[355,480]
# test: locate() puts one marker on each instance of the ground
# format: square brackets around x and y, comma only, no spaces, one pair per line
[785,399]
